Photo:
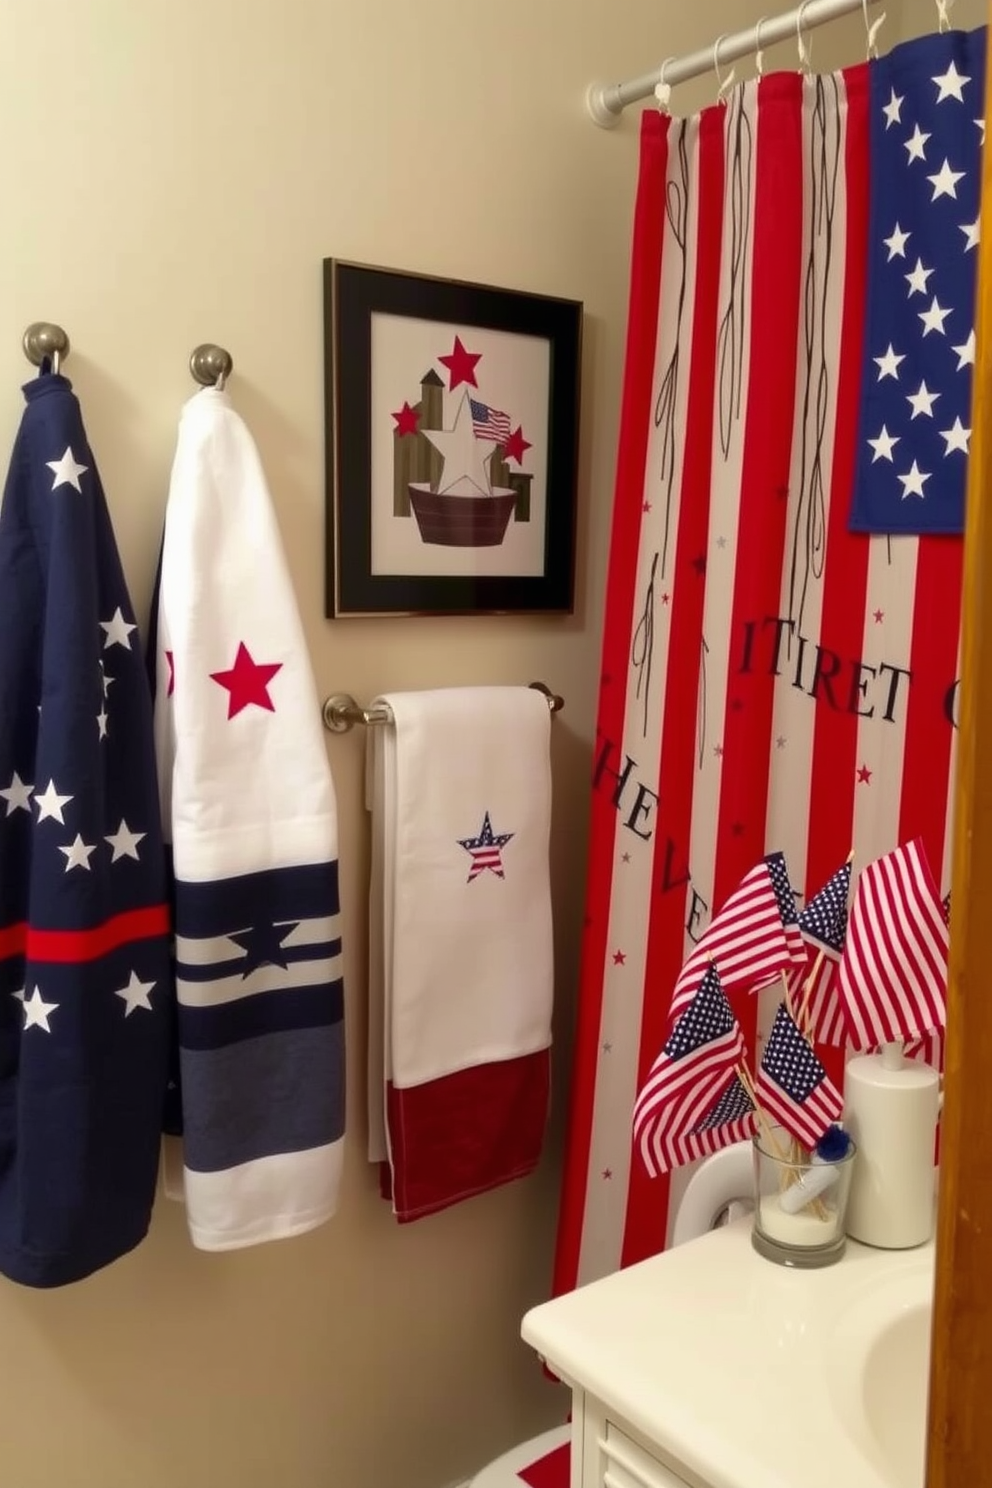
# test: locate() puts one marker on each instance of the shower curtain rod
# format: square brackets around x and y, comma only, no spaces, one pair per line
[605,102]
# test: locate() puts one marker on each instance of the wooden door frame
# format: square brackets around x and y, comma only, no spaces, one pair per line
[959,1446]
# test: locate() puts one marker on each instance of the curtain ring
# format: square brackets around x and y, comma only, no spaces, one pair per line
[759,55]
[805,48]
[663,88]
[872,29]
[724,84]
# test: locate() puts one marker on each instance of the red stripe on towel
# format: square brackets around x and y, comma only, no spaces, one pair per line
[466,1133]
[68,946]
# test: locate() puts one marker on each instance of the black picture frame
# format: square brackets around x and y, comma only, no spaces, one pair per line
[544,333]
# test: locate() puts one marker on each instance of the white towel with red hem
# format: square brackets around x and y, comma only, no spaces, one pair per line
[461,961]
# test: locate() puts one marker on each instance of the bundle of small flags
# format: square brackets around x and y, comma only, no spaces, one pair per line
[853,978]
[681,1110]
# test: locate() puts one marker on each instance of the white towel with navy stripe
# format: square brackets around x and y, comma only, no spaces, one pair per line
[461,959]
[248,804]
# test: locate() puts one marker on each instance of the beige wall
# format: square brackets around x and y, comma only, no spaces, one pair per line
[915,17]
[174,171]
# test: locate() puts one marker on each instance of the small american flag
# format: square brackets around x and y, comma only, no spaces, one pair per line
[823,923]
[688,1076]
[793,1085]
[893,972]
[746,937]
[731,1120]
[489,423]
[928,1048]
[791,919]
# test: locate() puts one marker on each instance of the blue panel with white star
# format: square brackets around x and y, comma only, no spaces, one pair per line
[927,130]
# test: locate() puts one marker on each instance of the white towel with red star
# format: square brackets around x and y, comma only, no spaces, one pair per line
[249,807]
[461,960]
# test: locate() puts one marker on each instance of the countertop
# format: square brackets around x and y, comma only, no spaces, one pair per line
[734,1366]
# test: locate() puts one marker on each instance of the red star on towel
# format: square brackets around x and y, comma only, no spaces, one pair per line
[484,850]
[461,364]
[247,682]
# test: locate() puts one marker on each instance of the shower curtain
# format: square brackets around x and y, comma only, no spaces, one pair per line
[782,613]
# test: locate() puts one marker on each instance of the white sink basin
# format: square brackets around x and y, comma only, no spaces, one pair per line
[896,1374]
[878,1368]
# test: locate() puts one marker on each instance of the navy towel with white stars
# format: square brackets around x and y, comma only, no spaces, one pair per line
[927,130]
[85,982]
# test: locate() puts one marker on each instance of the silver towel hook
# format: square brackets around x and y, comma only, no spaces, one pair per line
[44,342]
[211,365]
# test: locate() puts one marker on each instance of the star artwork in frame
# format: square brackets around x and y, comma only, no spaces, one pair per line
[452,429]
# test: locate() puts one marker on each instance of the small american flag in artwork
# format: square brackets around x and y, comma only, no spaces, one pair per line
[489,423]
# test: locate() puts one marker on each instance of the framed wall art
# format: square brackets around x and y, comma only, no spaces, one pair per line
[452,428]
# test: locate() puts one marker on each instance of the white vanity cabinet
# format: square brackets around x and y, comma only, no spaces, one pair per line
[710,1367]
[608,1454]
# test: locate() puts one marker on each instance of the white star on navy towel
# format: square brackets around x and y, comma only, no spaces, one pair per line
[925,166]
[67,470]
[36,1010]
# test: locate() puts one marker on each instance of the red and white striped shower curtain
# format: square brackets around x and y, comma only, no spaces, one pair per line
[769,679]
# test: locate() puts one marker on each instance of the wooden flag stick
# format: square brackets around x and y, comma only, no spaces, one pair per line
[788,995]
[745,1079]
[804,1014]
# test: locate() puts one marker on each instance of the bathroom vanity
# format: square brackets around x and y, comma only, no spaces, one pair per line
[709,1367]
